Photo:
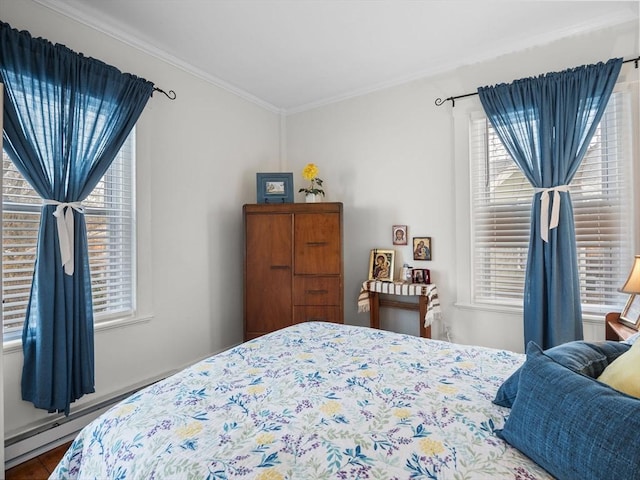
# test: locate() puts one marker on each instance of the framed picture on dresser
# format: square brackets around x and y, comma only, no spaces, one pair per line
[274,187]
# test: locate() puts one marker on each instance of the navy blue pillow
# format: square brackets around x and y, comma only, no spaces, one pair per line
[583,357]
[573,426]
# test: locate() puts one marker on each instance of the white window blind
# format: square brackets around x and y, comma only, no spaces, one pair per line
[603,214]
[109,214]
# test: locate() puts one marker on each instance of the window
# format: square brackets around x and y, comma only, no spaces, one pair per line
[109,213]
[601,193]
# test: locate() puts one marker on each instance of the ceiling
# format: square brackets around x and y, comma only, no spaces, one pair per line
[290,55]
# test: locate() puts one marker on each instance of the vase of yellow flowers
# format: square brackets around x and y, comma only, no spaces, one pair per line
[313,192]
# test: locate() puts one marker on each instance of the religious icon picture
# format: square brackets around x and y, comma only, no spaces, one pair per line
[399,234]
[381,265]
[422,248]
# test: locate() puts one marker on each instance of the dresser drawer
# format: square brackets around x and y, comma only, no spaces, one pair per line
[316,314]
[316,290]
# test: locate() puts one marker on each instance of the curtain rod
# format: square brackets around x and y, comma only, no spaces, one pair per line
[440,101]
[171,95]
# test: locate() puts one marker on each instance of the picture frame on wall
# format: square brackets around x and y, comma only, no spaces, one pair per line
[422,248]
[381,265]
[630,316]
[274,187]
[399,234]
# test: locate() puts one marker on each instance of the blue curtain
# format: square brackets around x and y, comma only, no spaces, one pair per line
[546,124]
[65,118]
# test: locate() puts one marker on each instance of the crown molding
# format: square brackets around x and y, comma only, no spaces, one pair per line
[609,21]
[114,31]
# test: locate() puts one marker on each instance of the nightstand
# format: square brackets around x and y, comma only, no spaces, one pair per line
[615,330]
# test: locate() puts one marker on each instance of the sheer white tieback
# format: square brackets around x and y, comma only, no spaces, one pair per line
[547,224]
[65,224]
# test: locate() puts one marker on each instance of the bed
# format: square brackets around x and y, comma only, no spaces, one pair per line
[313,401]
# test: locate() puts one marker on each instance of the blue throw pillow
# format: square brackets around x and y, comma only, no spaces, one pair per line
[573,426]
[587,358]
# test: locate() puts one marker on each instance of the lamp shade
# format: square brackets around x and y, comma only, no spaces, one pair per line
[632,285]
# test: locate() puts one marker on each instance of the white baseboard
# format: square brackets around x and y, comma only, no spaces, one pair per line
[37,444]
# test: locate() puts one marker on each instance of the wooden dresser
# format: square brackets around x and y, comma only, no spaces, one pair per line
[293,265]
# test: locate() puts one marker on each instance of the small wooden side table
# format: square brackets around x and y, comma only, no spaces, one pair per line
[616,331]
[374,294]
[375,302]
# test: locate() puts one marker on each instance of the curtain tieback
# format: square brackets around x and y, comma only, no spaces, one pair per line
[547,224]
[64,221]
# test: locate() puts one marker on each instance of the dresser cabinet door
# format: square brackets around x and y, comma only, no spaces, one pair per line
[317,244]
[268,273]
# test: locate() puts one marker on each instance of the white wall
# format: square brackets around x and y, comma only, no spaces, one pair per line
[393,157]
[197,157]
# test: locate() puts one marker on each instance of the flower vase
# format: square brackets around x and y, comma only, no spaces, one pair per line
[311,198]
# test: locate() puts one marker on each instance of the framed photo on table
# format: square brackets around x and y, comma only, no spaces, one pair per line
[381,265]
[421,275]
[274,187]
[630,316]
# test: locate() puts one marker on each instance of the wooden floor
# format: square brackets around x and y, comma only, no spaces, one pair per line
[38,468]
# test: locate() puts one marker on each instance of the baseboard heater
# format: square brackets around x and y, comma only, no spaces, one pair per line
[30,444]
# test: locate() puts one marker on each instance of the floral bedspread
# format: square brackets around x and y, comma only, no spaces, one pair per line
[313,401]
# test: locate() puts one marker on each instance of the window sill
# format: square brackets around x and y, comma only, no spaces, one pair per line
[120,322]
[13,346]
[488,307]
[485,307]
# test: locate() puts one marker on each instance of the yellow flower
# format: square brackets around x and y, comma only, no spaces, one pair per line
[447,389]
[265,438]
[331,408]
[368,373]
[430,447]
[402,413]
[255,389]
[271,474]
[310,171]
[189,431]
[466,364]
[125,410]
